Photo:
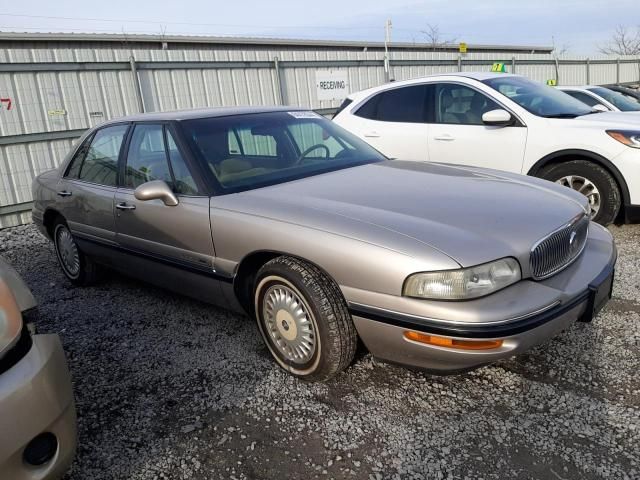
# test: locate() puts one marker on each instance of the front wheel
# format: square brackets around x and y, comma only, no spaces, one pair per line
[303,319]
[593,181]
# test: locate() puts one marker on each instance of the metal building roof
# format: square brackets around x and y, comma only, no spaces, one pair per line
[261,42]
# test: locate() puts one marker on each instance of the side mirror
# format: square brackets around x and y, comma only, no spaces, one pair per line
[156,189]
[497,118]
[598,107]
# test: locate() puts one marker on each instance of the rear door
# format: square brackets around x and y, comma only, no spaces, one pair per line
[178,236]
[459,136]
[86,191]
[394,122]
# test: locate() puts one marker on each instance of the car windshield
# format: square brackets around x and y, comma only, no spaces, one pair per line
[539,99]
[619,100]
[243,152]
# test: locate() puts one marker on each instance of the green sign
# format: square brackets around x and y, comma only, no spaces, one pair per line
[552,82]
[499,68]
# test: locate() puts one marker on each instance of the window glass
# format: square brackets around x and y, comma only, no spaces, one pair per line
[100,164]
[276,147]
[259,143]
[183,182]
[459,104]
[404,104]
[583,97]
[310,140]
[146,159]
[538,99]
[617,99]
[76,162]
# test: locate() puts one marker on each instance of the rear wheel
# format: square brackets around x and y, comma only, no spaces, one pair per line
[76,266]
[303,319]
[593,181]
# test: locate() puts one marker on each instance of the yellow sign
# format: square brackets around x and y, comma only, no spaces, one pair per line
[463,47]
[499,68]
[53,113]
[552,82]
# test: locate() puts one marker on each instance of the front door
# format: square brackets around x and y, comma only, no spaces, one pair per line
[459,136]
[174,240]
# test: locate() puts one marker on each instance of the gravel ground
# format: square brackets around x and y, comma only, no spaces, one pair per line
[167,387]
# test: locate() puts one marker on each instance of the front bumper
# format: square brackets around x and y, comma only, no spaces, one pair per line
[36,397]
[632,213]
[565,298]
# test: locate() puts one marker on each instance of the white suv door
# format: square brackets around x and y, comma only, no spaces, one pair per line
[393,122]
[458,134]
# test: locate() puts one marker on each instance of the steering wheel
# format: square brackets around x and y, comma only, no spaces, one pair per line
[311,149]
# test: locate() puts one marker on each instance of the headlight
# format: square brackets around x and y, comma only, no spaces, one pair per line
[465,283]
[628,137]
[10,319]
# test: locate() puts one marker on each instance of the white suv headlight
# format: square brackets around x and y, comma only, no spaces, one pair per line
[465,283]
[629,138]
[10,319]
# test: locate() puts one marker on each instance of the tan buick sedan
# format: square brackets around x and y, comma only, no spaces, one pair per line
[37,411]
[284,215]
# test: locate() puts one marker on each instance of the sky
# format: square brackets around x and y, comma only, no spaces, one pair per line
[580,26]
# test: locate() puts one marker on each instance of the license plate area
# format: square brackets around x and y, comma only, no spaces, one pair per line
[600,291]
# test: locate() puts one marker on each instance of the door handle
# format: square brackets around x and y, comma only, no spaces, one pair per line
[124,206]
[372,134]
[64,193]
[444,138]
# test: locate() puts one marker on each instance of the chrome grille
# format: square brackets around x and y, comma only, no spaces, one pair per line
[558,249]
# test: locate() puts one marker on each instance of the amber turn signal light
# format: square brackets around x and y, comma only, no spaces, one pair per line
[452,342]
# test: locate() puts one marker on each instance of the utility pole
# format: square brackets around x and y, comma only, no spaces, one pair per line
[387,40]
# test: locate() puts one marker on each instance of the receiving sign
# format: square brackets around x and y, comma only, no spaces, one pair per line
[332,84]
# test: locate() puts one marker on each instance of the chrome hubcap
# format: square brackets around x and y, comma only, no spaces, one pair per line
[289,324]
[585,187]
[68,251]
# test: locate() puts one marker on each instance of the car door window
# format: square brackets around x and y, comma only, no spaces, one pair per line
[76,162]
[404,104]
[459,104]
[100,164]
[583,97]
[146,158]
[149,158]
[183,182]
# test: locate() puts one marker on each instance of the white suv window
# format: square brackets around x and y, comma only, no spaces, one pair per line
[403,104]
[458,104]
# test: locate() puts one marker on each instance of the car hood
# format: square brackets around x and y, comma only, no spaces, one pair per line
[472,215]
[612,119]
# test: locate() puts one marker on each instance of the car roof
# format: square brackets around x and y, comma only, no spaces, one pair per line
[200,113]
[578,87]
[479,76]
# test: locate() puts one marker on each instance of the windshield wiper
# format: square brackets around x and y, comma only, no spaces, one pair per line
[561,115]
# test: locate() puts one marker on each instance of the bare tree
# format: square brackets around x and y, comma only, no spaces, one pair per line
[624,41]
[435,38]
[561,50]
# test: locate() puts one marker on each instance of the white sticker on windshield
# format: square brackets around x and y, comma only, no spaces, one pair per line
[304,114]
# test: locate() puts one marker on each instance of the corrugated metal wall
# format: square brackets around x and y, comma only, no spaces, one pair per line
[68,95]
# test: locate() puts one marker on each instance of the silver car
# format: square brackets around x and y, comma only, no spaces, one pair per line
[282,214]
[37,410]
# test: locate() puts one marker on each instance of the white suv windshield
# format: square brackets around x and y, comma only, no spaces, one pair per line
[623,103]
[539,99]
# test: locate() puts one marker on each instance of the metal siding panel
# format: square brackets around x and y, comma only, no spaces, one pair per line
[29,103]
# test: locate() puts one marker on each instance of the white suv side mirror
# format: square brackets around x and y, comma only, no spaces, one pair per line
[497,118]
[598,107]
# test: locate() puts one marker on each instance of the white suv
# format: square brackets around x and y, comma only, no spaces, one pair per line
[592,95]
[506,122]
